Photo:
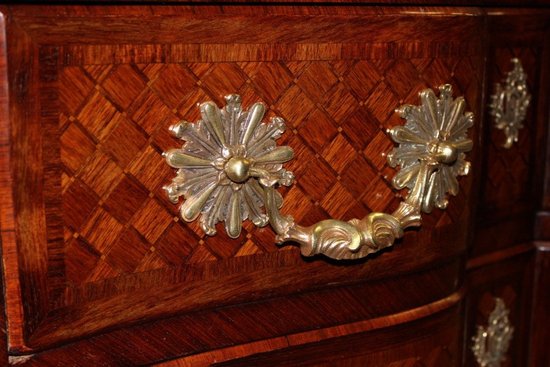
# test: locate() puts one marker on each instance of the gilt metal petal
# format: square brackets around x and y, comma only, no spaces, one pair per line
[435,133]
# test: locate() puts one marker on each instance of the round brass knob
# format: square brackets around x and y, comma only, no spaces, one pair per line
[237,169]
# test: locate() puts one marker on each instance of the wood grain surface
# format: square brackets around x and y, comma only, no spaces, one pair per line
[509,277]
[99,270]
[538,353]
[100,246]
[327,336]
[434,341]
[512,179]
[477,3]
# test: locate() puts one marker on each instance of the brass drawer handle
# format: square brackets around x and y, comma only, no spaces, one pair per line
[229,168]
[491,343]
[510,102]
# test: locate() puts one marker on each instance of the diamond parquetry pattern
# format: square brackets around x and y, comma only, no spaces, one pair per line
[114,126]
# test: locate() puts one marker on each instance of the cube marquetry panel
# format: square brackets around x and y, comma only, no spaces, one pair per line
[112,192]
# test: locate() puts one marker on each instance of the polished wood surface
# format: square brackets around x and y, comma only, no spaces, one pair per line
[508,277]
[512,179]
[434,341]
[100,271]
[299,341]
[484,3]
[502,259]
[104,236]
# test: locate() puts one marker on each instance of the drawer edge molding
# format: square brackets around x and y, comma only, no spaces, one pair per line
[230,166]
[302,339]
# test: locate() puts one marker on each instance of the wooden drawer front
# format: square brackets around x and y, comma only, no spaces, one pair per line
[434,341]
[510,280]
[512,178]
[98,244]
[538,352]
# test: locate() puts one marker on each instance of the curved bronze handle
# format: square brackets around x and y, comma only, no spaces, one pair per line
[230,166]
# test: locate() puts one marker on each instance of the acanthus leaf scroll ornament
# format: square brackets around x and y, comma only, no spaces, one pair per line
[510,102]
[230,167]
[492,342]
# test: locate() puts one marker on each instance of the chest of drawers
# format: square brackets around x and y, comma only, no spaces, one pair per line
[100,269]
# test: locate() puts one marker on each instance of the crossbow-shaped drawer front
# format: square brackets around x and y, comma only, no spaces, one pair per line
[230,166]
